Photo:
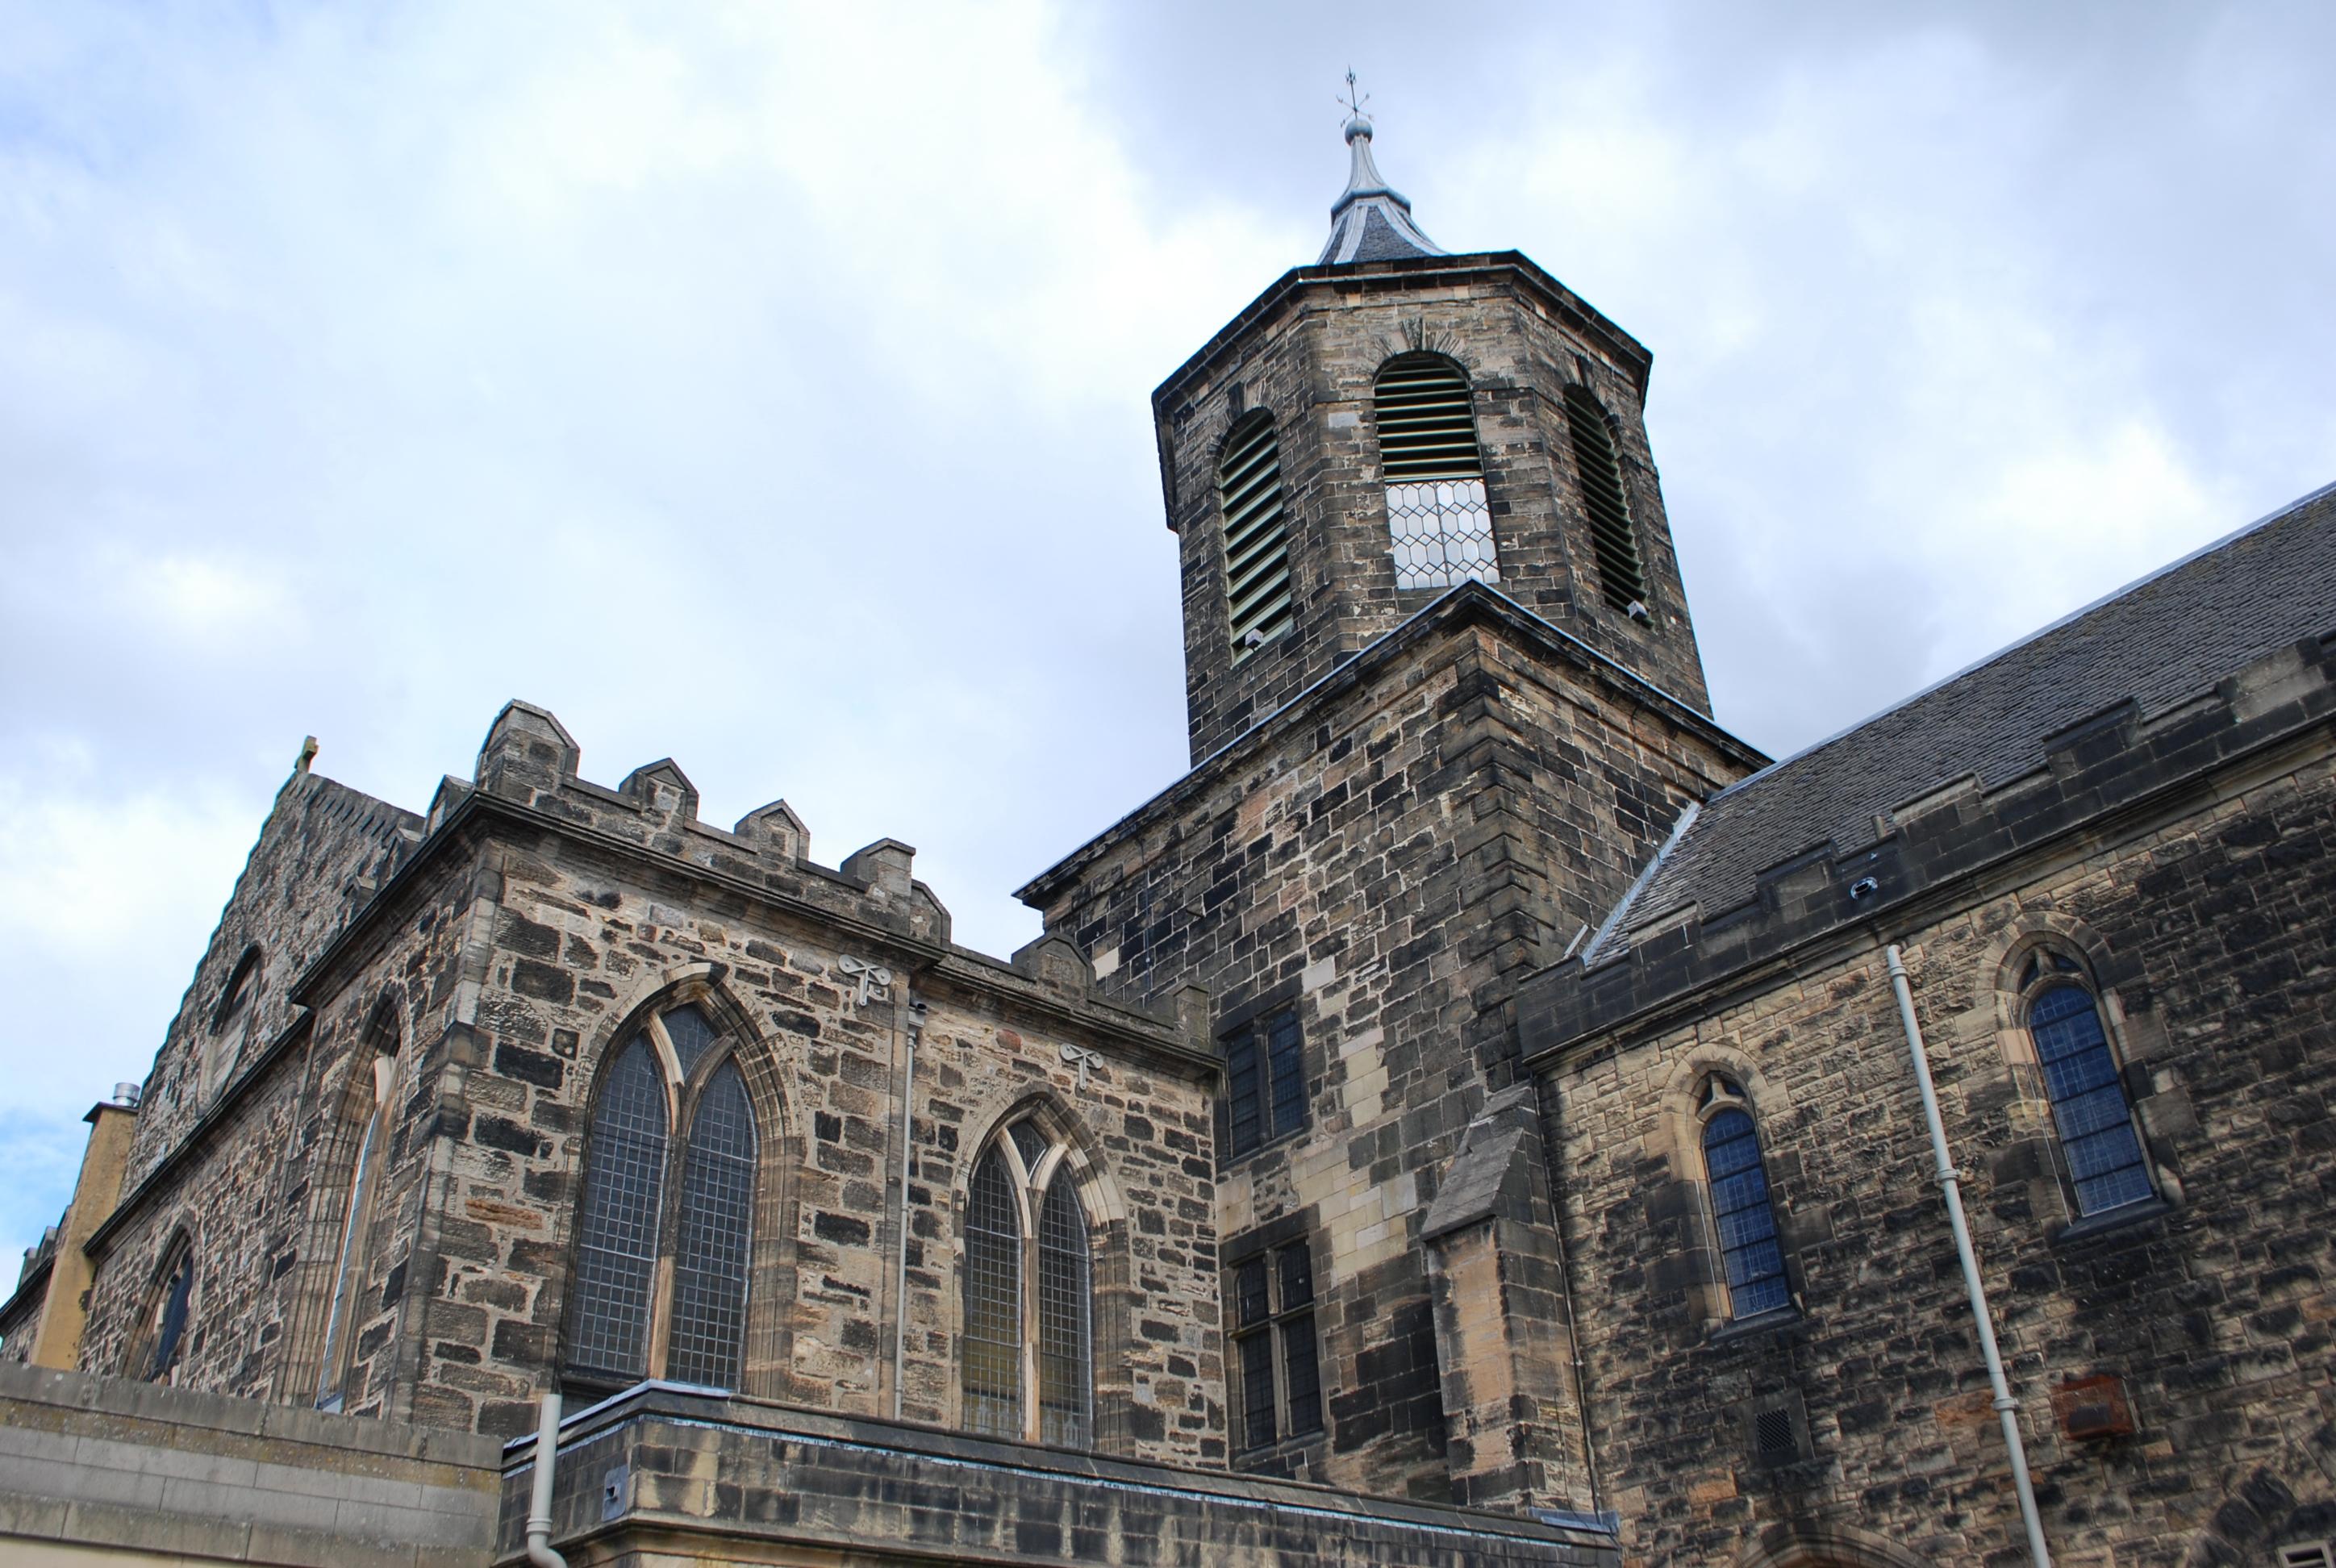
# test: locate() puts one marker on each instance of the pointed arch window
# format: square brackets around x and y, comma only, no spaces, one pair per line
[378,1066]
[667,1218]
[1439,522]
[1613,539]
[1026,1357]
[2102,1147]
[1257,546]
[161,1343]
[230,1025]
[1742,1213]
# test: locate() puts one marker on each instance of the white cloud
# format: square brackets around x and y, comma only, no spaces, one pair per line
[767,385]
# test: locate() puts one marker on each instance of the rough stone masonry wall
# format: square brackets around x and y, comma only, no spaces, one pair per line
[263,1192]
[323,850]
[1312,360]
[1387,861]
[2211,933]
[583,922]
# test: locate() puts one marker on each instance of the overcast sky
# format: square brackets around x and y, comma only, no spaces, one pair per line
[767,387]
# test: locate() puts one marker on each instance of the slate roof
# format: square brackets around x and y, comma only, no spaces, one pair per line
[1371,220]
[2159,642]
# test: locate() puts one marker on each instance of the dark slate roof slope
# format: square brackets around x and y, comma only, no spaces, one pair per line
[2156,643]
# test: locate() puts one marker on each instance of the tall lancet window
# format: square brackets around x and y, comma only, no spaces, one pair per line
[667,1220]
[369,1094]
[1257,549]
[1740,1210]
[1439,524]
[1026,1357]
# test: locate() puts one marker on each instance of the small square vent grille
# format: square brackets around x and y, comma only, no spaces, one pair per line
[2308,1555]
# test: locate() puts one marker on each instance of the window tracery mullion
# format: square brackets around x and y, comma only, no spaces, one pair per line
[1024,1199]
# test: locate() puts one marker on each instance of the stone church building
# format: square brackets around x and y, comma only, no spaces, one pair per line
[1483,1111]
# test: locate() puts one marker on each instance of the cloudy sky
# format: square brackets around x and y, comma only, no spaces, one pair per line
[766,386]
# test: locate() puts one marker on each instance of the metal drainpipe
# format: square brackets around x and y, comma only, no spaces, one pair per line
[900,1279]
[2007,1409]
[539,1507]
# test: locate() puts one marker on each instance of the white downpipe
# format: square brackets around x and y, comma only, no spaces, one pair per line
[2007,1409]
[900,1277]
[538,1506]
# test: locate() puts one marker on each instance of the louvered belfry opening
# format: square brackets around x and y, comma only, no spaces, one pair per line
[1612,540]
[1439,524]
[1257,545]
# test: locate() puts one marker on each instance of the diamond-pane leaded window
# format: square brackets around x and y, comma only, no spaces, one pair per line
[1439,522]
[1257,546]
[1612,540]
[1026,1354]
[666,1229]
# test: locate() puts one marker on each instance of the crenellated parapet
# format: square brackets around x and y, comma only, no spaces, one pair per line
[1928,848]
[529,760]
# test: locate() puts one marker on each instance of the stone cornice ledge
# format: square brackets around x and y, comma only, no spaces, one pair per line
[1471,603]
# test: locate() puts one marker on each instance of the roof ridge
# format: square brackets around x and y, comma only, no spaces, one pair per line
[2112,597]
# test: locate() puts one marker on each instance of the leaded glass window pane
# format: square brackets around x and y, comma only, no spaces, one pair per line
[1285,1049]
[1301,1374]
[1305,1377]
[1251,1305]
[993,1301]
[1241,1088]
[1257,1391]
[616,1227]
[329,1381]
[1030,1144]
[1439,522]
[2089,1105]
[1062,1329]
[691,1036]
[172,1330]
[1742,1213]
[709,1264]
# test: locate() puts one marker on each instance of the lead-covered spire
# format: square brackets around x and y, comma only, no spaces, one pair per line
[1371,220]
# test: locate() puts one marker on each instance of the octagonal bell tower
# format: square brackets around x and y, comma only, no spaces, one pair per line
[1388,424]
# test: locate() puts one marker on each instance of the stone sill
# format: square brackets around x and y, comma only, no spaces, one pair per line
[2109,1222]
